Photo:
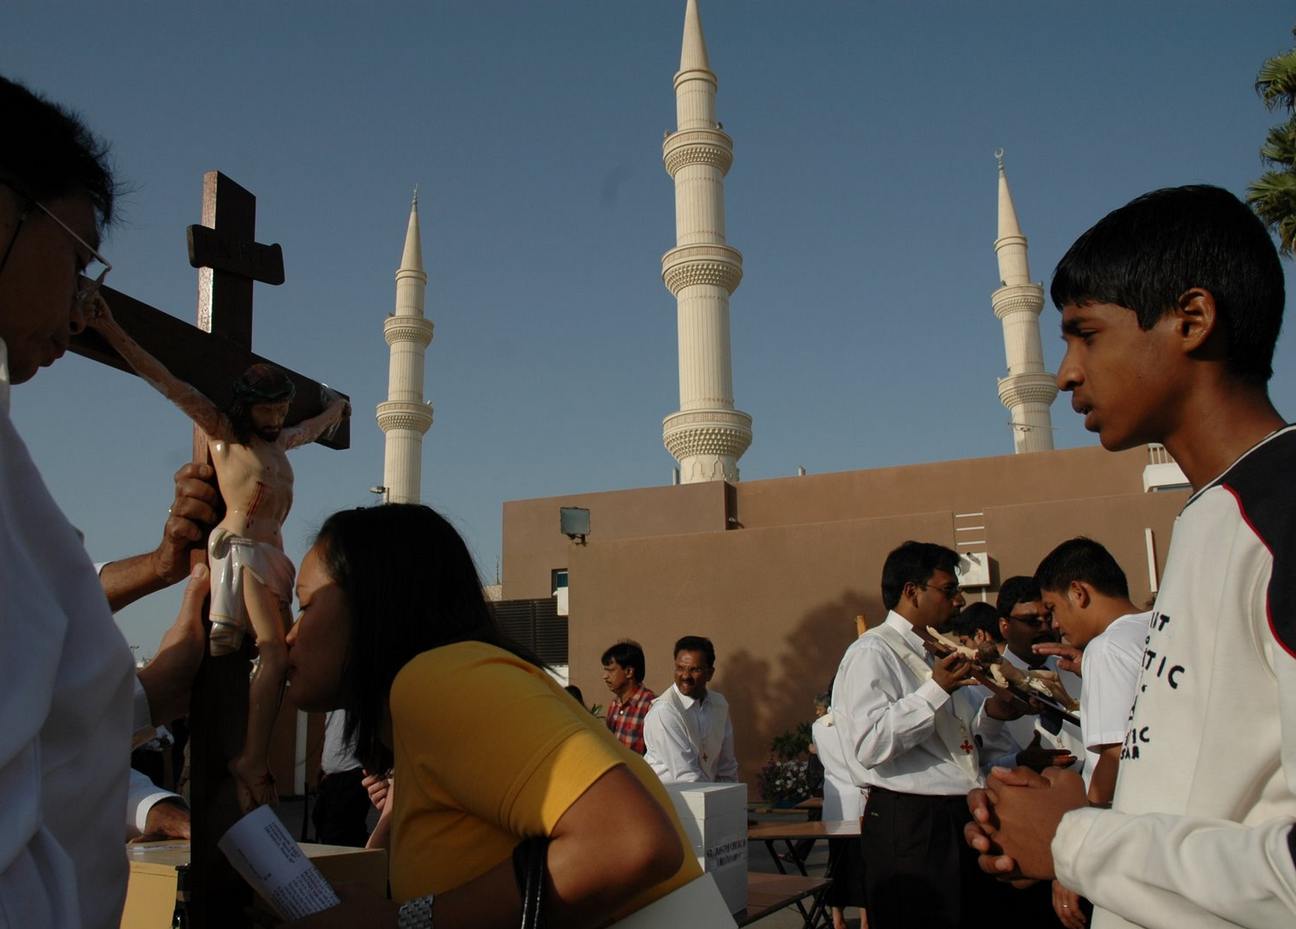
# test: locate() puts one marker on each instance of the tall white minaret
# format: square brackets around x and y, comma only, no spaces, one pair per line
[707,436]
[1028,390]
[404,417]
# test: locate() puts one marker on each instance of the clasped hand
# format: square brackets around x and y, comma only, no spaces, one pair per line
[1014,819]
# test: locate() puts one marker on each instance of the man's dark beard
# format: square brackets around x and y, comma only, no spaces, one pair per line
[269,433]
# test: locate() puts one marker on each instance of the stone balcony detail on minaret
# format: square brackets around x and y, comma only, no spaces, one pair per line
[707,435]
[1028,390]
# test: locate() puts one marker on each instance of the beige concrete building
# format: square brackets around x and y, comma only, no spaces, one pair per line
[774,571]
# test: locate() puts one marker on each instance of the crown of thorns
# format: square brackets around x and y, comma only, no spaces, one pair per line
[263,383]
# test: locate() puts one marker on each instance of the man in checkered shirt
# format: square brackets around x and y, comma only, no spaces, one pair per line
[623,672]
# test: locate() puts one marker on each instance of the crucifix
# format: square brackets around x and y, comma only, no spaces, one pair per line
[209,358]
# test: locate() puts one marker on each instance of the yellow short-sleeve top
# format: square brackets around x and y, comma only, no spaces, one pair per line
[490,750]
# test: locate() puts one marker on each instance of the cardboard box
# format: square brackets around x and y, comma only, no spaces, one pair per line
[154,878]
[715,818]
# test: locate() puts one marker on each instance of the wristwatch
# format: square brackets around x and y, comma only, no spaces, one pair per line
[415,914]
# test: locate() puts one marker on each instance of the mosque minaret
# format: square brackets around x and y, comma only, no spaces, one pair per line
[1028,390]
[404,417]
[707,435]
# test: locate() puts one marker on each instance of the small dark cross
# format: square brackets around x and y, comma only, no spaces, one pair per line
[967,747]
[210,356]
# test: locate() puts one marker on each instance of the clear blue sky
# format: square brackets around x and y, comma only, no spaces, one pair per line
[862,196]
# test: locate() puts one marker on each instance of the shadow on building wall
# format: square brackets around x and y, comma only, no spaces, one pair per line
[768,697]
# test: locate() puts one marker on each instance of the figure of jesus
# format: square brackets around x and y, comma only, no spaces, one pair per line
[252,578]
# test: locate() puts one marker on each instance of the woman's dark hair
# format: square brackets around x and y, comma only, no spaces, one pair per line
[411,586]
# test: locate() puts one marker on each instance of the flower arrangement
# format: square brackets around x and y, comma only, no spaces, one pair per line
[785,781]
[786,777]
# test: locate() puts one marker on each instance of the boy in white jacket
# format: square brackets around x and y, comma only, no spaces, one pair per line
[1171,307]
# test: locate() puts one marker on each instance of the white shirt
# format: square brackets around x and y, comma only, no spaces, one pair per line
[885,717]
[1200,831]
[841,798]
[65,715]
[673,752]
[141,797]
[1112,662]
[337,755]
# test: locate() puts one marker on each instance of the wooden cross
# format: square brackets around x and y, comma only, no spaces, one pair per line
[210,356]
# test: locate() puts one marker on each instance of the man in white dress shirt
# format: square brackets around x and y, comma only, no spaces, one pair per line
[66,717]
[908,736]
[688,731]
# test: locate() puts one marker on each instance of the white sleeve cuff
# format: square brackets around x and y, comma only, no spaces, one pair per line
[1068,842]
[146,804]
[933,694]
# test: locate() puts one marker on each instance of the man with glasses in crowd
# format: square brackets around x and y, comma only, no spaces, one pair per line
[72,698]
[1034,741]
[907,732]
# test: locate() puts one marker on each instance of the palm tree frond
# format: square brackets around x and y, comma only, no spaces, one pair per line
[1276,81]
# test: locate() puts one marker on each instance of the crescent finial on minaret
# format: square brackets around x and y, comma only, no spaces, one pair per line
[999,158]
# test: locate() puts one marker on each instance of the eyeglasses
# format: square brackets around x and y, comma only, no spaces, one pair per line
[1035,622]
[92,274]
[949,590]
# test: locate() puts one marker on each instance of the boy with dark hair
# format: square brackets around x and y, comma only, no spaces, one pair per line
[623,673]
[1170,309]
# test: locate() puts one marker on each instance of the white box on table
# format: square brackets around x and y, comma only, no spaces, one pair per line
[715,818]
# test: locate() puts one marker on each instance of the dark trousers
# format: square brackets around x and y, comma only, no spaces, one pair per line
[341,809]
[846,861]
[918,871]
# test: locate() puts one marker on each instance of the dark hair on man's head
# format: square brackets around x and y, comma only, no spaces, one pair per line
[628,654]
[46,152]
[1015,590]
[1148,253]
[977,617]
[1084,560]
[411,586]
[697,643]
[260,383]
[914,563]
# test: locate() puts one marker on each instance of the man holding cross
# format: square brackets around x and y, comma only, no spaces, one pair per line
[66,716]
[251,576]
